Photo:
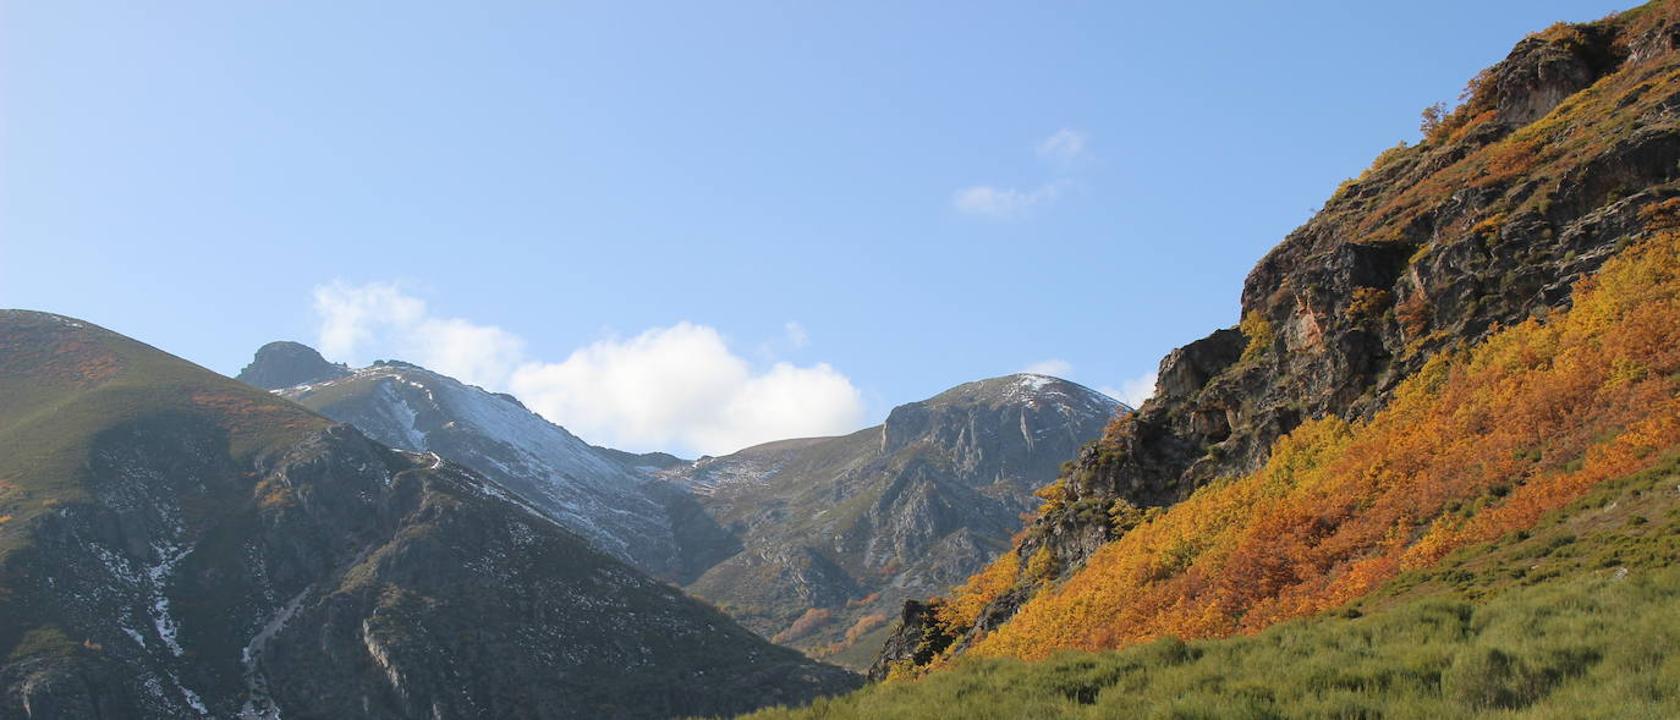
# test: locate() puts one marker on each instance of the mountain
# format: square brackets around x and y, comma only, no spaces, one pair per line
[177,544]
[838,532]
[1562,157]
[814,542]
[283,364]
[598,493]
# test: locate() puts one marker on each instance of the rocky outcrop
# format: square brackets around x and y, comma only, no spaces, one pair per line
[283,363]
[1545,68]
[917,640]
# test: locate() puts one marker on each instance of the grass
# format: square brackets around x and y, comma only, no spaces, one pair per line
[1574,618]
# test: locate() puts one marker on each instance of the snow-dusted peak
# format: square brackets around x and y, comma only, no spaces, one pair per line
[591,490]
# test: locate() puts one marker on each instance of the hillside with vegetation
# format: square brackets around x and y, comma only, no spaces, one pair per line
[1570,619]
[1406,378]
[1475,446]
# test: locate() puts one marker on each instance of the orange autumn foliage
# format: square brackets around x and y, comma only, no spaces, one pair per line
[963,608]
[864,625]
[804,625]
[1475,445]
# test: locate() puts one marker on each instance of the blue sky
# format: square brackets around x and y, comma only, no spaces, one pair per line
[789,216]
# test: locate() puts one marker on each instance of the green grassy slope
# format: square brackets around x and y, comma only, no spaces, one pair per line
[1578,617]
[63,382]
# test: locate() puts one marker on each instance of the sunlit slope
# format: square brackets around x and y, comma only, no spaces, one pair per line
[1503,536]
[1476,445]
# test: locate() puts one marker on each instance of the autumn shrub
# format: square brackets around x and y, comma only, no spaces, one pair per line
[1258,331]
[1488,228]
[805,625]
[865,600]
[1054,496]
[1432,122]
[1414,314]
[1663,215]
[1368,304]
[962,609]
[864,625]
[1041,567]
[1123,516]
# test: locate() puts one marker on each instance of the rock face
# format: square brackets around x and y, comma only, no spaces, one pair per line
[176,544]
[1565,152]
[918,640]
[838,532]
[602,495]
[284,363]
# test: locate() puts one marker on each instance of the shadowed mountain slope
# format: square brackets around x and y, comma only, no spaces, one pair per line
[838,532]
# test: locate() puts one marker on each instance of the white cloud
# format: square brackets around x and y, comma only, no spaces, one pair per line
[1063,149]
[1065,146]
[1054,367]
[478,354]
[679,388]
[1134,391]
[360,321]
[1003,203]
[352,315]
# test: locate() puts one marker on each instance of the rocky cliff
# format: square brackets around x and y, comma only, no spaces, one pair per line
[283,364]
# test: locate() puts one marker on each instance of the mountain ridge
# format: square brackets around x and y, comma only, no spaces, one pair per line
[409,407]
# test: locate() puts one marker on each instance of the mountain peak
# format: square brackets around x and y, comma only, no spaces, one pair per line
[283,364]
[1023,389]
[837,532]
